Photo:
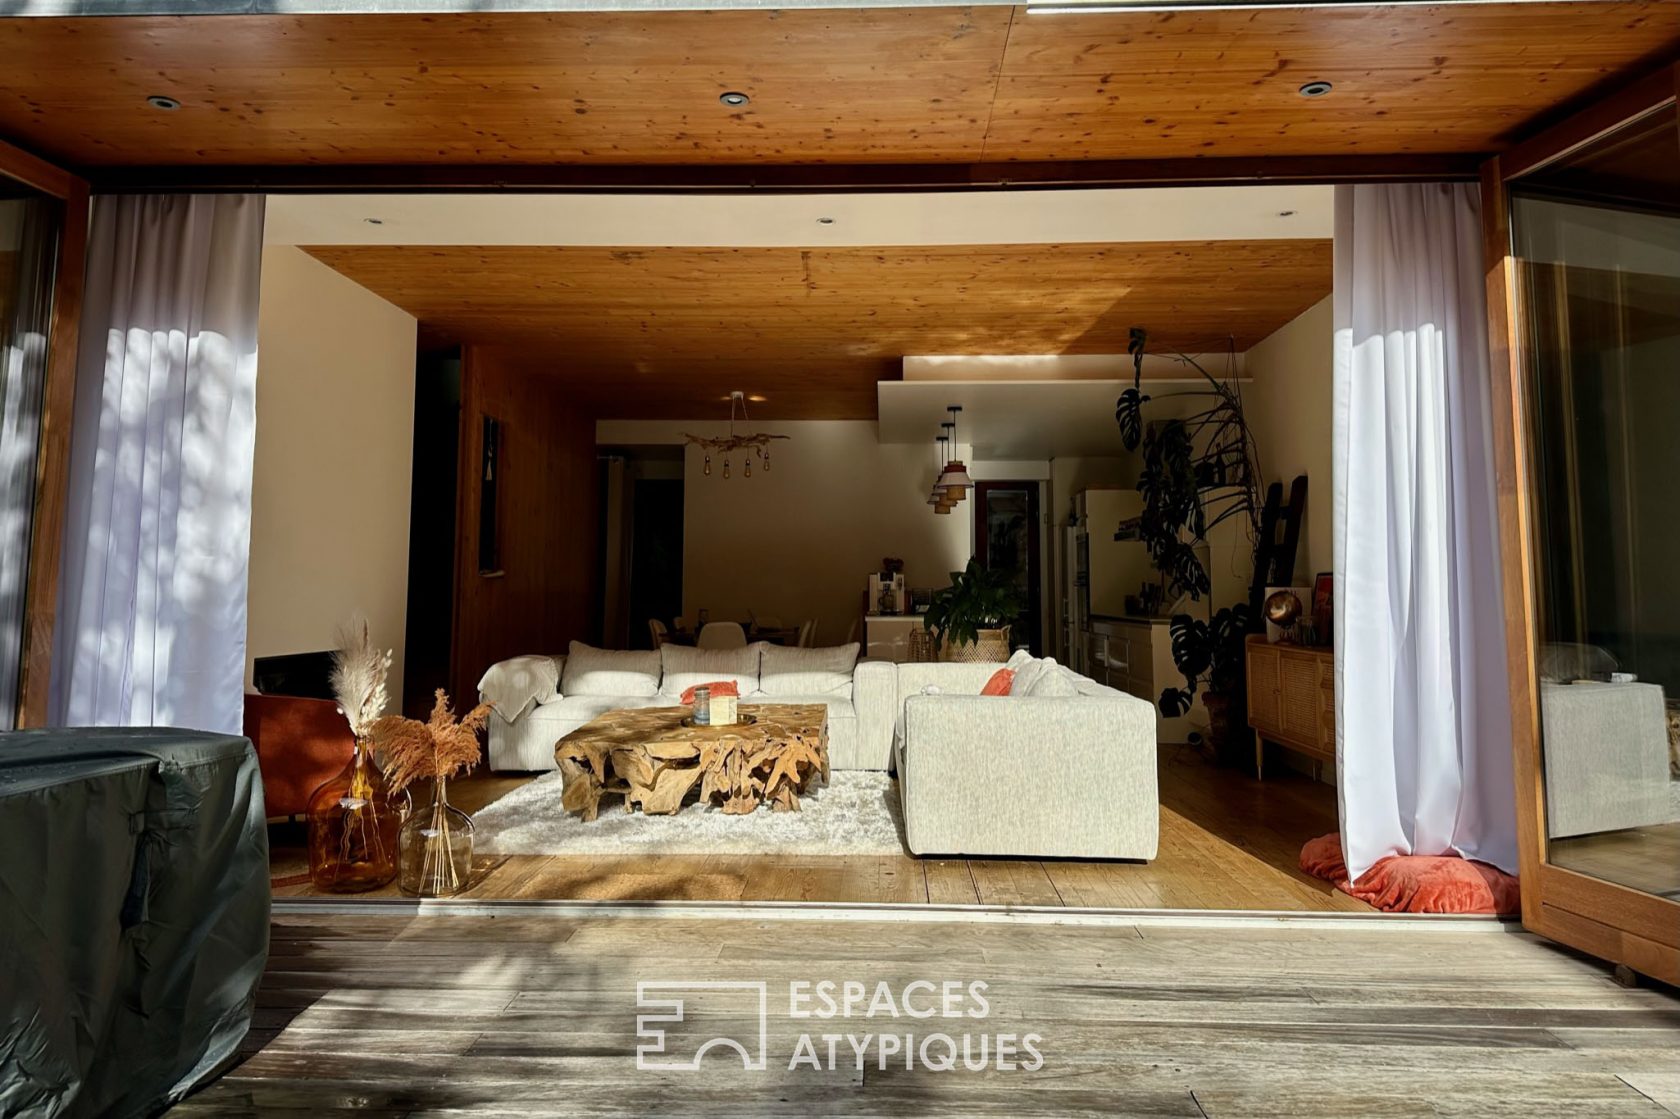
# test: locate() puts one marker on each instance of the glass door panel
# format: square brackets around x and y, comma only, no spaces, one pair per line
[1596,239]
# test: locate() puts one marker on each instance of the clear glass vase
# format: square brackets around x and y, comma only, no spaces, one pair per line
[435,848]
[353,825]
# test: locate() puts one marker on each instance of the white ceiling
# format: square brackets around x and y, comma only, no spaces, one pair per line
[1013,419]
[1235,213]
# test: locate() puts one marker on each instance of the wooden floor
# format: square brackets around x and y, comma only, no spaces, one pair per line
[536,1016]
[1227,842]
[1645,858]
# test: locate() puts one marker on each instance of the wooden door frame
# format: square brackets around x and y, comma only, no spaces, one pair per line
[58,401]
[1623,925]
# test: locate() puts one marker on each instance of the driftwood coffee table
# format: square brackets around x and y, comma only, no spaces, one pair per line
[647,755]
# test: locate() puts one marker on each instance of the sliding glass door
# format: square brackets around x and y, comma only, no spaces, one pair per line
[29,242]
[1588,296]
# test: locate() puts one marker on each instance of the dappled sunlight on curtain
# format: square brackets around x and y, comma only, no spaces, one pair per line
[1422,706]
[151,625]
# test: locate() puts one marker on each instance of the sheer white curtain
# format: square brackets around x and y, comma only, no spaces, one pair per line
[151,620]
[1422,716]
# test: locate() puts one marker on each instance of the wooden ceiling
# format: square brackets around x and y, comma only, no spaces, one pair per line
[919,85]
[666,332]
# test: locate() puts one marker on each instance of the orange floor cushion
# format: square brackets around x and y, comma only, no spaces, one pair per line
[1416,883]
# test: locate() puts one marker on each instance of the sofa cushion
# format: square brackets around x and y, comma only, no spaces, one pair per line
[839,706]
[685,667]
[586,707]
[826,671]
[608,672]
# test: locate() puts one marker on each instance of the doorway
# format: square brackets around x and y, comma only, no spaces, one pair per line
[1007,537]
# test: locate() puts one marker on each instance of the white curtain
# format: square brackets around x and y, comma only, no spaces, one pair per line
[151,620]
[1422,716]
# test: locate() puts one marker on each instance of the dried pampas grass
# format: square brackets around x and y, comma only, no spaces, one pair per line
[435,750]
[358,676]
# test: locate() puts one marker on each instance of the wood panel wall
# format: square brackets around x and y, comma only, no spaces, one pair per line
[547,494]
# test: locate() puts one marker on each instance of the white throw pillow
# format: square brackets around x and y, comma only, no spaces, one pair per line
[825,671]
[1027,669]
[1051,680]
[592,671]
[685,667]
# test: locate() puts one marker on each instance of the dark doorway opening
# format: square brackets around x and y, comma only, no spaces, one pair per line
[1006,536]
[642,542]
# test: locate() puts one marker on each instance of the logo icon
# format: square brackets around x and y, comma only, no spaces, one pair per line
[651,1028]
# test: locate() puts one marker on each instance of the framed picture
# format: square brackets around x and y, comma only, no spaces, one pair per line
[1324,607]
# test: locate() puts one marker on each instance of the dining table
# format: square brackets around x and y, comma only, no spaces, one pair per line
[776,635]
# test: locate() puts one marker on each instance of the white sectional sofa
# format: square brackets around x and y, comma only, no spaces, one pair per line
[540,699]
[1062,767]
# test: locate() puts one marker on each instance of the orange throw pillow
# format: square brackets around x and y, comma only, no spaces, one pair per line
[1000,683]
[719,687]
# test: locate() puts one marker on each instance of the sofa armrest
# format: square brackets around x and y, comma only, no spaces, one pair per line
[875,698]
[1072,775]
[512,687]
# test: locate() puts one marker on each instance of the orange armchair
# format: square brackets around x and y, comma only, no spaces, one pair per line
[300,743]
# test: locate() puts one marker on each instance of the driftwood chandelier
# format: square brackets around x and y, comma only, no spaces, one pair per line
[748,446]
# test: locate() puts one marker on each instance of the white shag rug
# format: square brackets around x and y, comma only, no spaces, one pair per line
[857,813]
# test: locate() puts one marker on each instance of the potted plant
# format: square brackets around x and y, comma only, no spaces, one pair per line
[970,618]
[1198,472]
[1212,657]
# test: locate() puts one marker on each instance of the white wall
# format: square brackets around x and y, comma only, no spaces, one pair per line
[801,540]
[335,434]
[1288,409]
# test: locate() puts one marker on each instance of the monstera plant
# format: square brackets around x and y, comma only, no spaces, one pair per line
[1198,471]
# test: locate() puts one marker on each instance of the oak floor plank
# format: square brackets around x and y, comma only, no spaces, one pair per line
[1227,842]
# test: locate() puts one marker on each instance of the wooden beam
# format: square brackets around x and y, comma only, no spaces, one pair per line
[37,174]
[1647,94]
[794,178]
[53,465]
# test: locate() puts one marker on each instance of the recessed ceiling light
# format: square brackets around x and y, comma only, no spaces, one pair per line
[374,221]
[757,399]
[825,221]
[159,101]
[734,98]
[1286,213]
[1316,89]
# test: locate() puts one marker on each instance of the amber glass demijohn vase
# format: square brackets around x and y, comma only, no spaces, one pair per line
[353,825]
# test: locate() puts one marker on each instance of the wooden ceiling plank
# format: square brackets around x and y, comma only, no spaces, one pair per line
[845,87]
[815,329]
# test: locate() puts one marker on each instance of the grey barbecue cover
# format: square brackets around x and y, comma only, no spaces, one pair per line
[134,904]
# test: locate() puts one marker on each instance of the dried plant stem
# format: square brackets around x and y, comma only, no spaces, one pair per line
[437,866]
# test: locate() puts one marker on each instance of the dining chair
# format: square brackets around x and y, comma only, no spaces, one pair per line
[766,621]
[807,633]
[657,629]
[721,635]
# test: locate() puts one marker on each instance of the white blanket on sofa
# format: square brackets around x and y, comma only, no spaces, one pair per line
[512,686]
